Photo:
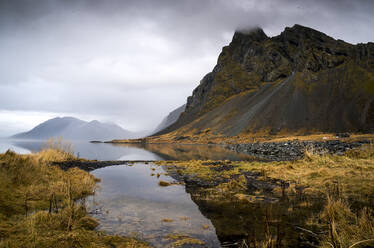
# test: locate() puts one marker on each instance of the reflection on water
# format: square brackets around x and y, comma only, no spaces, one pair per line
[190,152]
[105,151]
[253,224]
[130,202]
[7,144]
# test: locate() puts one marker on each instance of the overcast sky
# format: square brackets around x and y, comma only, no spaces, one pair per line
[133,61]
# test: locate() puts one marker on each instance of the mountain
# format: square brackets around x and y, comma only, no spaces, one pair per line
[301,81]
[170,119]
[75,129]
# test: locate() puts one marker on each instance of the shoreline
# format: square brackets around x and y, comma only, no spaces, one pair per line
[244,139]
[263,151]
[217,185]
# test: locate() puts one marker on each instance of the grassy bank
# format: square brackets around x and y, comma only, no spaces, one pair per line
[209,137]
[43,206]
[335,193]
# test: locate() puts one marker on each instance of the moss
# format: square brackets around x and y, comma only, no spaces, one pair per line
[164,183]
[230,80]
[206,227]
[167,220]
[181,240]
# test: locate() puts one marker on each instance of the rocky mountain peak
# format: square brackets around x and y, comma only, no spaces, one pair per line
[297,80]
[301,36]
[254,34]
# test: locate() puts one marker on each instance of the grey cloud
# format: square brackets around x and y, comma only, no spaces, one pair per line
[136,60]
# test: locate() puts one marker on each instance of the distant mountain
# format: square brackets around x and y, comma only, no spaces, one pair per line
[170,119]
[301,81]
[75,129]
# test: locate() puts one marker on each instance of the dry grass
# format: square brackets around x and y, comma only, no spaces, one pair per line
[345,228]
[167,220]
[163,183]
[340,181]
[56,149]
[38,204]
[203,137]
[181,240]
[352,174]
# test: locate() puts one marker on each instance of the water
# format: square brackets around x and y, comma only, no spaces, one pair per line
[106,151]
[130,202]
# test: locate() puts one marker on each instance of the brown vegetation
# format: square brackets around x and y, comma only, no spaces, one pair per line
[43,206]
[338,189]
[196,137]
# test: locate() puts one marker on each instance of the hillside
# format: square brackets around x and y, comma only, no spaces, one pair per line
[73,128]
[301,81]
[170,119]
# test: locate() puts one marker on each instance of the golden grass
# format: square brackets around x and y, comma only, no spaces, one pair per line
[163,183]
[39,204]
[342,180]
[167,220]
[203,137]
[180,240]
[345,228]
[56,149]
[351,174]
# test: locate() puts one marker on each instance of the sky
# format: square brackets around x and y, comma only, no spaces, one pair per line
[133,61]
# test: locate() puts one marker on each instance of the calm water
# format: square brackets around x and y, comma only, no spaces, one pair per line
[130,202]
[103,151]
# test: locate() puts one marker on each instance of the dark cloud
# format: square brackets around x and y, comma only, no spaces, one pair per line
[133,61]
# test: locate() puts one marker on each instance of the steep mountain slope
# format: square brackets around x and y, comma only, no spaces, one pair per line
[72,128]
[299,81]
[170,119]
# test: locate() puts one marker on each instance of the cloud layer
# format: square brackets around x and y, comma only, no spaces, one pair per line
[134,61]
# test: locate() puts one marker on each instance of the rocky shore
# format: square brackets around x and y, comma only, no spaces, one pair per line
[293,150]
[269,151]
[89,165]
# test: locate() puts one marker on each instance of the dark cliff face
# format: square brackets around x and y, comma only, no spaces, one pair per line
[300,79]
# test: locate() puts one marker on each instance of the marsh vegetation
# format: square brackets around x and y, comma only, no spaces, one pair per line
[43,206]
[319,201]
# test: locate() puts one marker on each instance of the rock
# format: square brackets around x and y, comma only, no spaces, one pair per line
[294,150]
[300,79]
[342,135]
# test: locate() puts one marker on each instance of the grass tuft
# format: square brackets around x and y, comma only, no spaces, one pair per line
[346,229]
[39,204]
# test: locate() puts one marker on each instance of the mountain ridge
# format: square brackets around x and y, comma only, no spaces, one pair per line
[329,86]
[76,129]
[170,119]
